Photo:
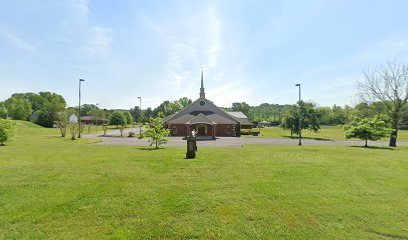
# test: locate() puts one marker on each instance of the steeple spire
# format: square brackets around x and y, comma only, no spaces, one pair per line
[202,93]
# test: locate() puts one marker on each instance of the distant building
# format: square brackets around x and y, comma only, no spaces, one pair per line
[92,120]
[206,119]
[73,118]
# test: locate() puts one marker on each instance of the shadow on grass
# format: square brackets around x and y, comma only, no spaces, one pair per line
[311,138]
[373,147]
[149,148]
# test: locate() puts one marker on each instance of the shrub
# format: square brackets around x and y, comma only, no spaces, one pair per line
[245,132]
[105,128]
[255,131]
[7,130]
[131,134]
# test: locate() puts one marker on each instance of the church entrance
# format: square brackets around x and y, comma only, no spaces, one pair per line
[201,131]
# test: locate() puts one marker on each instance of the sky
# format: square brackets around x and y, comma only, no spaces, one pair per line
[251,51]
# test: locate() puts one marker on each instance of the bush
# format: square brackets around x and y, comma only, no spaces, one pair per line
[245,132]
[7,130]
[249,131]
[131,134]
[255,131]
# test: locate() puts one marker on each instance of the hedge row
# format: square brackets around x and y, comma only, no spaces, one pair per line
[248,131]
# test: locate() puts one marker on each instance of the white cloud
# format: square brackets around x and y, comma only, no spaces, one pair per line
[383,50]
[81,7]
[100,40]
[196,41]
[16,41]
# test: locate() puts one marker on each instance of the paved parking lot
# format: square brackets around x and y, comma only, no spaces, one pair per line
[113,137]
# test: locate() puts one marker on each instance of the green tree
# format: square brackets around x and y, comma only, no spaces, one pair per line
[367,129]
[7,130]
[18,108]
[50,112]
[184,102]
[309,118]
[3,110]
[157,132]
[128,116]
[135,113]
[241,107]
[388,84]
[118,118]
[86,109]
[148,113]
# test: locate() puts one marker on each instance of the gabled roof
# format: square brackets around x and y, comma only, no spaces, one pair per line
[200,118]
[210,110]
[237,114]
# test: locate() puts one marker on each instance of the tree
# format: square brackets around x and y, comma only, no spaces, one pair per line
[148,113]
[367,129]
[129,118]
[157,131]
[7,130]
[62,125]
[241,107]
[18,108]
[135,113]
[118,118]
[73,129]
[184,102]
[86,109]
[388,84]
[3,110]
[50,111]
[309,118]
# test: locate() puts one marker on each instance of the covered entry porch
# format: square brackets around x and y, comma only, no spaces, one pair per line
[202,125]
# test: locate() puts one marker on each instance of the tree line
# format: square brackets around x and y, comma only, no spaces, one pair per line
[383,91]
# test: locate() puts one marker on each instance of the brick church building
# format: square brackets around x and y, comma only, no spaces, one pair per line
[206,119]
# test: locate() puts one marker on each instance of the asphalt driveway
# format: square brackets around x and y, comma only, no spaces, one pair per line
[113,137]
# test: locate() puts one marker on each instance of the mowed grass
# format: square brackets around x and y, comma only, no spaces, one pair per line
[56,188]
[325,133]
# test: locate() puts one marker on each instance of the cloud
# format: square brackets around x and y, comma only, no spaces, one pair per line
[214,46]
[100,40]
[384,50]
[16,41]
[195,42]
[81,8]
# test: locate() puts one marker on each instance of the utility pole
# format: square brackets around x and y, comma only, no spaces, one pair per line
[79,110]
[140,117]
[300,116]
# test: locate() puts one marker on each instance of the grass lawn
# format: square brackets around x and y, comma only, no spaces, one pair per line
[56,188]
[326,133]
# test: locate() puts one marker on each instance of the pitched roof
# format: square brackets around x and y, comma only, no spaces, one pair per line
[209,110]
[237,114]
[200,118]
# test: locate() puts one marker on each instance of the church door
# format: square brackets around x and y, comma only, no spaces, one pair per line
[201,131]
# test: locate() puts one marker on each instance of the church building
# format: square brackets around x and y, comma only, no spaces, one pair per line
[206,119]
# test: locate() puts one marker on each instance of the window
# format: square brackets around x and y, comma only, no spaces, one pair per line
[229,130]
[202,103]
[174,132]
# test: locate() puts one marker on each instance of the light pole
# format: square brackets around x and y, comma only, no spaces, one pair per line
[97,116]
[79,110]
[300,116]
[140,121]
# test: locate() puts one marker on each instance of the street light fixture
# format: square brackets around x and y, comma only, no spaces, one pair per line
[97,116]
[300,117]
[79,110]
[140,110]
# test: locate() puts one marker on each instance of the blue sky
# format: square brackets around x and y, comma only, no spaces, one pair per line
[252,51]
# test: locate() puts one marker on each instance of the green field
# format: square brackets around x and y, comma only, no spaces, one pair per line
[325,133]
[54,188]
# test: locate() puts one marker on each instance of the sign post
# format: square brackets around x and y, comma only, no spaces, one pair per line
[191,145]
